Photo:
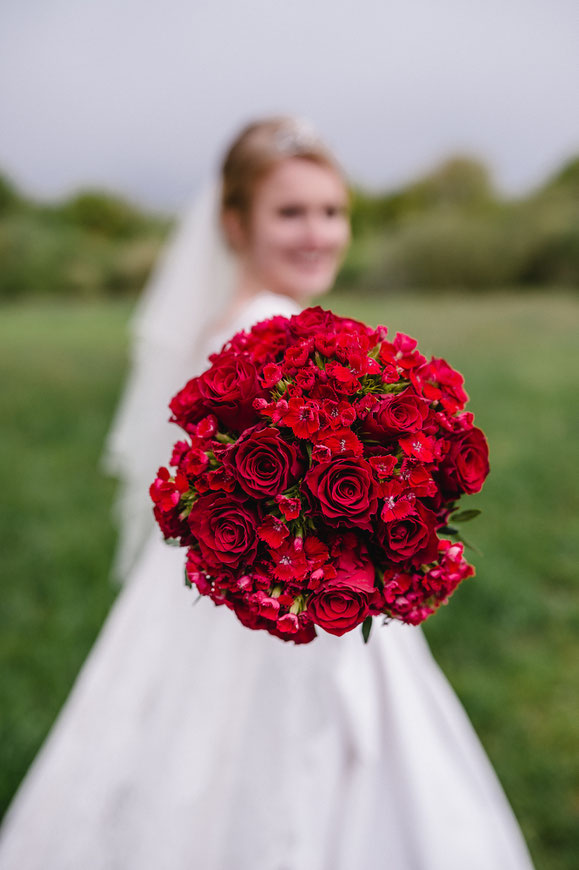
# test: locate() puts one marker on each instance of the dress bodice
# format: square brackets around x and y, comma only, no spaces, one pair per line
[259,307]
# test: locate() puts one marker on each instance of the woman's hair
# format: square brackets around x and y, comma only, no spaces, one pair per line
[259,147]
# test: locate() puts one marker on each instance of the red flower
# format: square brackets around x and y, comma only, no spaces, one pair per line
[297,355]
[401,353]
[218,478]
[288,623]
[290,507]
[273,531]
[313,321]
[418,478]
[289,561]
[180,448]
[340,442]
[316,552]
[345,490]
[272,374]
[383,464]
[419,446]
[267,607]
[306,378]
[337,415]
[326,344]
[264,341]
[412,538]
[346,381]
[398,503]
[228,389]
[339,605]
[365,405]
[262,463]
[207,427]
[166,491]
[395,583]
[188,406]
[171,526]
[466,465]
[194,462]
[396,415]
[443,578]
[441,381]
[302,417]
[225,528]
[166,494]
[299,629]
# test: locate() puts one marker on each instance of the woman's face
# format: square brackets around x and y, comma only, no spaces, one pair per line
[298,229]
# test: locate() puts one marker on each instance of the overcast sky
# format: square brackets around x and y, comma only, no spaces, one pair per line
[142,95]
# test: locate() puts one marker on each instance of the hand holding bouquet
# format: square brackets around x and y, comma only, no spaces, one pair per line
[320,470]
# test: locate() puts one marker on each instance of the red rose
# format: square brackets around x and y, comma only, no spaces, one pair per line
[262,462]
[340,604]
[345,489]
[396,415]
[225,528]
[228,389]
[466,464]
[410,538]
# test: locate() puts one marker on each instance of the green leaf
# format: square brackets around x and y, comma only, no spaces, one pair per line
[465,516]
[319,360]
[454,533]
[366,628]
[469,545]
[223,438]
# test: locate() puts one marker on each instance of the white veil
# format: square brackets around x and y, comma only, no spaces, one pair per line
[192,282]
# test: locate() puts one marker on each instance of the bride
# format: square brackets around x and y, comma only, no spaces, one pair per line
[189,741]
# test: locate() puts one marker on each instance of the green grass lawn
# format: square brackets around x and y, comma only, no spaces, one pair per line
[507,639]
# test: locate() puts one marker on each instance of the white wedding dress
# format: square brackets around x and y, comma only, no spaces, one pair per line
[192,743]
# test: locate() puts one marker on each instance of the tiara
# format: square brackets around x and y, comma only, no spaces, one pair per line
[299,137]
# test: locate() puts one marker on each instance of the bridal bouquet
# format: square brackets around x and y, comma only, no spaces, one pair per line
[319,479]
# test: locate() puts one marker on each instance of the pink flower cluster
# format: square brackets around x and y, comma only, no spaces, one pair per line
[321,465]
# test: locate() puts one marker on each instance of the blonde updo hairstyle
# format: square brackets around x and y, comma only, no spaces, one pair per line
[257,150]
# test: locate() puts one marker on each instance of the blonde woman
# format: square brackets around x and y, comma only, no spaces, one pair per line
[188,741]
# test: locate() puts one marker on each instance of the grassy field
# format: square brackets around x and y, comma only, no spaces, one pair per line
[506,641]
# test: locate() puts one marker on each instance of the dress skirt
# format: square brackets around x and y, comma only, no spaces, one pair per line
[192,743]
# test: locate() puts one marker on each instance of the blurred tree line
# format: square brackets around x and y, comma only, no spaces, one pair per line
[94,244]
[452,230]
[448,230]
